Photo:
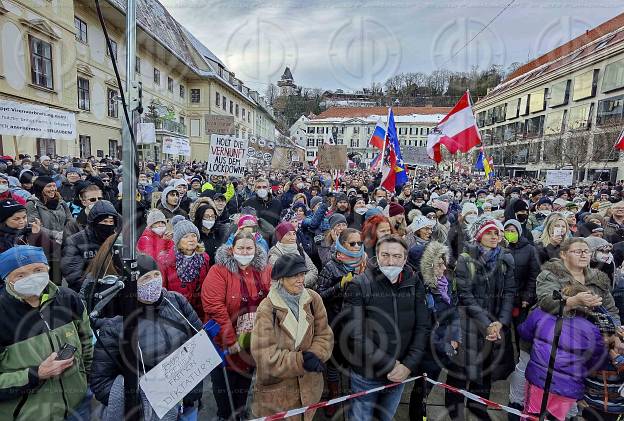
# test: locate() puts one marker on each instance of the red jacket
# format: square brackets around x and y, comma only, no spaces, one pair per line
[8,195]
[153,245]
[192,290]
[221,292]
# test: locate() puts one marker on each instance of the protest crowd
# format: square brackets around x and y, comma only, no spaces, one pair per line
[322,285]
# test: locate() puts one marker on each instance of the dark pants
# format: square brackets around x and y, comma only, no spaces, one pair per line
[418,397]
[454,402]
[590,414]
[239,386]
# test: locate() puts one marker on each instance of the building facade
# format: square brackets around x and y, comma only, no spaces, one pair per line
[53,53]
[353,126]
[561,110]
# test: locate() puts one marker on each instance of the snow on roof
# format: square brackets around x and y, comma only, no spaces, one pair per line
[201,48]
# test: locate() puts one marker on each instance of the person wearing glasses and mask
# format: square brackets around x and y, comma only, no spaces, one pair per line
[88,196]
[387,326]
[170,203]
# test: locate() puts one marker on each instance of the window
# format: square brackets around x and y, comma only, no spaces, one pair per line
[46,147]
[113,148]
[81,29]
[498,115]
[113,105]
[137,66]
[603,146]
[554,122]
[182,125]
[170,84]
[249,117]
[310,153]
[524,105]
[610,111]
[356,130]
[585,85]
[114,47]
[481,119]
[310,130]
[224,103]
[195,96]
[511,111]
[243,113]
[231,107]
[217,99]
[182,91]
[85,146]
[310,142]
[534,126]
[236,110]
[195,127]
[41,63]
[354,143]
[613,76]
[560,93]
[156,76]
[536,101]
[580,117]
[83,94]
[319,141]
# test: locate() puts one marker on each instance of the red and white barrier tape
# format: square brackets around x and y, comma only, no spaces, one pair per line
[471,396]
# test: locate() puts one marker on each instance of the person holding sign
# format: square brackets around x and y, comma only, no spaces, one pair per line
[291,341]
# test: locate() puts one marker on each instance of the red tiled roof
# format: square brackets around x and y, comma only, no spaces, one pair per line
[351,112]
[609,26]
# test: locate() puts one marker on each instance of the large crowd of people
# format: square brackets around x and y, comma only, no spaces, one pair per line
[321,285]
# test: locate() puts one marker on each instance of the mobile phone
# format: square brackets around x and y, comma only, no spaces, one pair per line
[66,352]
[558,231]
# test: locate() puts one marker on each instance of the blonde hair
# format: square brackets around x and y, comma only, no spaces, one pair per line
[553,218]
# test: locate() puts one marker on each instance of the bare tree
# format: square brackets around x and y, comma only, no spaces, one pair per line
[272,92]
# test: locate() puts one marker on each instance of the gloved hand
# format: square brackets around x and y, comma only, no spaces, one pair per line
[311,362]
[345,280]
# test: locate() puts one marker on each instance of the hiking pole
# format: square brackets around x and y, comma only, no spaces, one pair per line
[556,295]
[228,390]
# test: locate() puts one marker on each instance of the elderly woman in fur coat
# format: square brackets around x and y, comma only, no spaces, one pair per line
[290,342]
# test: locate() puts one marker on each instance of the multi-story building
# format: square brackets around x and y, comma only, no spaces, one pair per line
[354,126]
[561,110]
[53,53]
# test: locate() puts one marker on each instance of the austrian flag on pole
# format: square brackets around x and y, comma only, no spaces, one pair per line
[457,131]
[620,142]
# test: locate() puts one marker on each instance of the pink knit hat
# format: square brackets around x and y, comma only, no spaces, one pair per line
[442,205]
[247,221]
[282,229]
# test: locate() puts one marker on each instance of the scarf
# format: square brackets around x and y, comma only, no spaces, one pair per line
[288,248]
[188,267]
[489,257]
[291,300]
[443,289]
[350,259]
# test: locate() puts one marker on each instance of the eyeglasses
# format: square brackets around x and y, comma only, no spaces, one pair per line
[579,252]
[355,243]
[94,199]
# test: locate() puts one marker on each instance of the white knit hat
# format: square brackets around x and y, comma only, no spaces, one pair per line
[421,222]
[469,207]
[154,216]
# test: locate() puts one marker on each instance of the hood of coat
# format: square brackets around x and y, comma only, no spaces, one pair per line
[432,253]
[557,269]
[200,202]
[225,258]
[163,199]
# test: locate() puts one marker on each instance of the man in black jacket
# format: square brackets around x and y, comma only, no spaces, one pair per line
[80,248]
[387,324]
[265,205]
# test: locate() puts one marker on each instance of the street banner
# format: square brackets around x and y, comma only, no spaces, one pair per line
[219,124]
[170,381]
[28,120]
[146,134]
[332,157]
[559,177]
[416,155]
[227,156]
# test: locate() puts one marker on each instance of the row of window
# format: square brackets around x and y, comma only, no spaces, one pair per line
[355,143]
[48,147]
[369,130]
[84,98]
[222,102]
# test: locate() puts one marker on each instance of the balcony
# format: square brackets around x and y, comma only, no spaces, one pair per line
[170,126]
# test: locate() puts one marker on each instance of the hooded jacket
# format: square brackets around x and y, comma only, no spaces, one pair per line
[53,221]
[527,268]
[167,209]
[153,245]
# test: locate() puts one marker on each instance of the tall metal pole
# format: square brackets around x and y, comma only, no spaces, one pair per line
[128,296]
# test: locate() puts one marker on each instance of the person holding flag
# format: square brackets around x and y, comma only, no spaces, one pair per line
[393,168]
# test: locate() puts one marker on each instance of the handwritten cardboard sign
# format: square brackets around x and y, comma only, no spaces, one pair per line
[332,157]
[227,155]
[219,124]
[166,384]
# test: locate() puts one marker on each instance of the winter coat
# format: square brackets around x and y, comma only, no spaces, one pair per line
[326,250]
[546,253]
[11,195]
[457,240]
[288,196]
[166,209]
[311,275]
[78,251]
[613,232]
[28,335]
[161,330]
[221,295]
[485,296]
[11,237]
[278,341]
[378,312]
[329,289]
[269,209]
[53,221]
[581,350]
[527,268]
[212,240]
[68,191]
[554,276]
[153,245]
[190,290]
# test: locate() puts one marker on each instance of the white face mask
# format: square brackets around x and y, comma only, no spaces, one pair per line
[150,291]
[300,186]
[361,211]
[545,212]
[159,231]
[262,193]
[515,195]
[32,285]
[4,188]
[603,257]
[289,248]
[208,223]
[242,259]
[391,272]
[26,166]
[470,218]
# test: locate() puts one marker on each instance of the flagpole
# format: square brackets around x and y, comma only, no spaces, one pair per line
[383,151]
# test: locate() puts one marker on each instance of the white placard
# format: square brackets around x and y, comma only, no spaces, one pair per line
[146,134]
[166,384]
[28,120]
[227,156]
[170,146]
[559,177]
[184,148]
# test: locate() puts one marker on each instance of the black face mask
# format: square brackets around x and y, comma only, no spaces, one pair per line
[102,232]
[522,218]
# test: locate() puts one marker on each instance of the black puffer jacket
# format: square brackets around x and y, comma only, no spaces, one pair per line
[328,287]
[527,267]
[269,210]
[385,322]
[161,331]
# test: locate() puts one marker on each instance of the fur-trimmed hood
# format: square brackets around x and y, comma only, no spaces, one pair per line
[225,258]
[433,251]
[199,202]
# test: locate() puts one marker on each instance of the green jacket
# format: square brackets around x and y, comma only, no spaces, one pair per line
[27,337]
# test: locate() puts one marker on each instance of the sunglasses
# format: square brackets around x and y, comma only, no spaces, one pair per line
[355,243]
[94,199]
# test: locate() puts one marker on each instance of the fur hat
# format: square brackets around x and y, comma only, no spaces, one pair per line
[469,208]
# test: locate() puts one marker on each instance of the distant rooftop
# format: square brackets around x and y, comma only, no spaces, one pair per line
[352,112]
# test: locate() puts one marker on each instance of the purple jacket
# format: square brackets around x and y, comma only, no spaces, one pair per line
[581,351]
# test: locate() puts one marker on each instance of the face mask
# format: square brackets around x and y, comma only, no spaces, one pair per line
[522,218]
[208,223]
[391,272]
[26,166]
[4,188]
[243,259]
[512,237]
[545,212]
[150,291]
[361,211]
[419,203]
[262,193]
[89,207]
[289,248]
[604,257]
[470,218]
[300,186]
[33,285]
[159,231]
[102,232]
[515,195]
[472,200]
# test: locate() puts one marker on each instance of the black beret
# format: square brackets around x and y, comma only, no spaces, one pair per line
[288,265]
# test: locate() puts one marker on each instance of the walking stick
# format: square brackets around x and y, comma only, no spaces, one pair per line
[228,390]
[556,295]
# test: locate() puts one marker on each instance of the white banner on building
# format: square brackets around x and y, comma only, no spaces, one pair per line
[28,120]
[146,134]
[227,156]
[559,177]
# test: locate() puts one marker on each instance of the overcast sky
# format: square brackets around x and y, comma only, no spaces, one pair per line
[349,44]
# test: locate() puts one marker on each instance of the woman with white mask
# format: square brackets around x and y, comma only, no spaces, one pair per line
[236,284]
[205,216]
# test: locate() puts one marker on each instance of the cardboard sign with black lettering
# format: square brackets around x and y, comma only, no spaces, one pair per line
[332,157]
[219,124]
[227,156]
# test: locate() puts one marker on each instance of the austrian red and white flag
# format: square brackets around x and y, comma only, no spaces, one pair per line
[620,142]
[457,131]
